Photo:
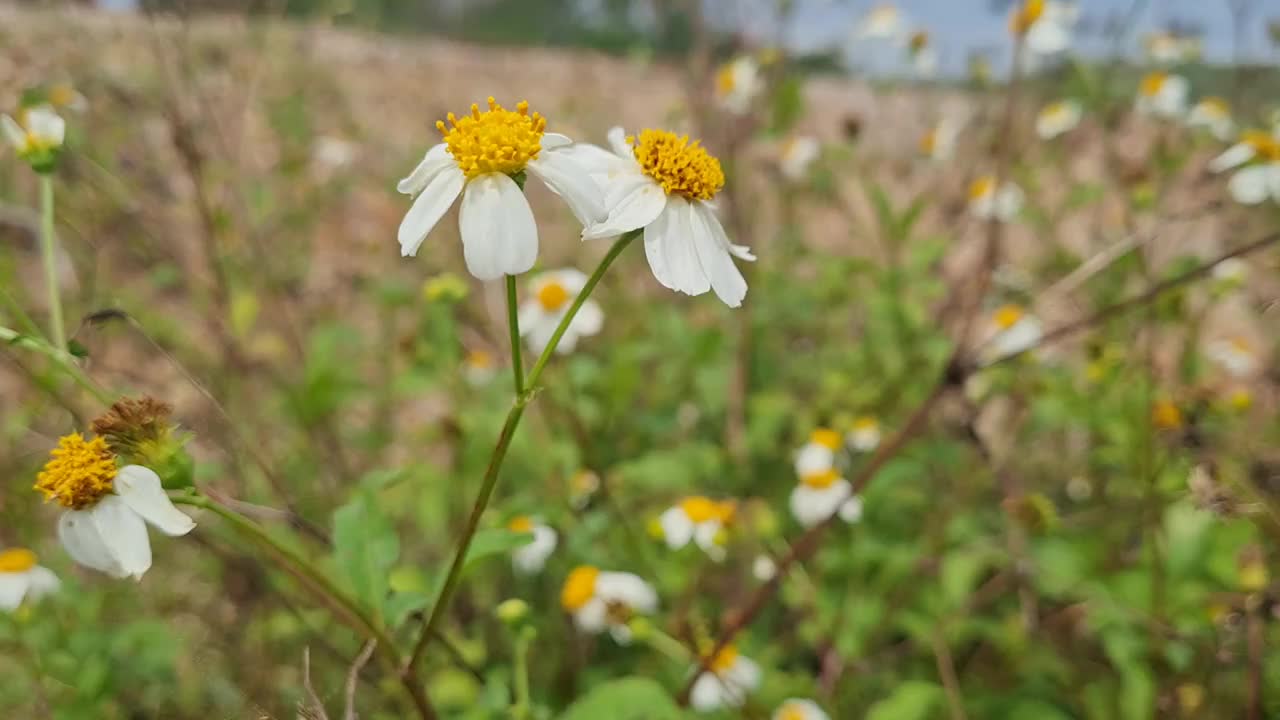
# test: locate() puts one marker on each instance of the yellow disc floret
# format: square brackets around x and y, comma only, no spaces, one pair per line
[1026,16]
[825,437]
[982,187]
[821,480]
[79,472]
[723,660]
[1007,316]
[681,167]
[496,140]
[17,560]
[1265,145]
[1166,416]
[520,523]
[552,296]
[701,509]
[1152,83]
[579,587]
[791,711]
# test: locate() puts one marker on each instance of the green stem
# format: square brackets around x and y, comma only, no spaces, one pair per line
[62,357]
[513,323]
[523,708]
[672,648]
[49,251]
[499,455]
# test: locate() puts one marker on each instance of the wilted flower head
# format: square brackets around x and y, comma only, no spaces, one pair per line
[532,557]
[606,600]
[729,678]
[139,430]
[698,519]
[1259,178]
[551,295]
[1163,95]
[1058,118]
[107,508]
[36,136]
[21,578]
[484,158]
[1214,115]
[738,83]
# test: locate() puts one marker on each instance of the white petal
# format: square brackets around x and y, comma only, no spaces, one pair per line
[814,458]
[851,510]
[499,236]
[428,208]
[677,249]
[677,528]
[634,201]
[628,589]
[13,587]
[1273,177]
[572,279]
[1236,155]
[618,143]
[42,582]
[712,247]
[742,677]
[551,141]
[592,617]
[706,535]
[620,633]
[433,162]
[538,332]
[1250,185]
[1047,38]
[141,490]
[531,315]
[79,535]
[811,506]
[124,534]
[13,132]
[572,183]
[533,557]
[707,693]
[47,125]
[808,709]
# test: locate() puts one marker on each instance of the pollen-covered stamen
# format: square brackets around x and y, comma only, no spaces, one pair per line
[826,437]
[79,472]
[552,296]
[821,480]
[723,660]
[1152,83]
[579,587]
[17,560]
[982,187]
[1007,316]
[681,167]
[1265,145]
[496,140]
[701,509]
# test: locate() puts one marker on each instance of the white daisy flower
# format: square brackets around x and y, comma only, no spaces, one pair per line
[65,95]
[1259,178]
[988,202]
[479,367]
[800,709]
[797,156]
[864,436]
[818,455]
[36,136]
[332,153]
[820,495]
[726,683]
[482,157]
[939,143]
[738,84]
[700,520]
[1236,355]
[22,579]
[1010,331]
[664,183]
[1058,118]
[108,509]
[552,294]
[1046,25]
[883,22]
[602,601]
[1232,272]
[1167,48]
[923,57]
[1212,114]
[1163,95]
[531,558]
[763,568]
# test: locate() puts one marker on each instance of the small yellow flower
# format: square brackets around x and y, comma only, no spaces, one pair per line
[698,519]
[79,473]
[606,600]
[37,136]
[738,83]
[1163,95]
[22,578]
[730,677]
[1166,416]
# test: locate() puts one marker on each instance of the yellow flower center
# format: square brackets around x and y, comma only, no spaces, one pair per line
[579,587]
[701,509]
[584,481]
[1264,144]
[62,95]
[1026,16]
[865,423]
[494,141]
[982,187]
[724,659]
[821,480]
[919,41]
[825,437]
[552,296]
[929,142]
[1241,345]
[726,80]
[1055,110]
[680,167]
[1215,106]
[1166,416]
[79,472]
[1007,316]
[791,711]
[1152,83]
[1240,399]
[17,560]
[520,523]
[480,359]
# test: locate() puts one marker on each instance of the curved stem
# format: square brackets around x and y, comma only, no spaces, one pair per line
[48,251]
[490,480]
[513,324]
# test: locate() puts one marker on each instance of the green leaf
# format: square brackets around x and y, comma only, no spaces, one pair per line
[365,547]
[631,698]
[912,700]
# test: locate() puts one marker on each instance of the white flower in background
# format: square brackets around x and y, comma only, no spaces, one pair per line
[37,135]
[939,143]
[763,568]
[1167,48]
[883,22]
[108,509]
[1259,178]
[602,601]
[531,558]
[864,435]
[924,59]
[1058,118]
[65,95]
[583,486]
[1232,272]
[332,153]
[700,520]
[1212,114]
[479,367]
[989,202]
[821,495]
[818,455]
[1046,25]
[22,579]
[1163,95]
[729,678]
[482,156]
[738,84]
[797,156]
[664,183]
[1236,355]
[799,709]
[1011,331]
[552,294]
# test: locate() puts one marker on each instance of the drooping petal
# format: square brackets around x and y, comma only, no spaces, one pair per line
[13,587]
[533,557]
[141,490]
[433,162]
[706,535]
[618,143]
[124,534]
[592,617]
[79,535]
[499,236]
[628,589]
[677,528]
[707,694]
[552,141]
[1250,185]
[678,252]
[1236,155]
[573,183]
[428,208]
[851,509]
[634,201]
[712,247]
[42,582]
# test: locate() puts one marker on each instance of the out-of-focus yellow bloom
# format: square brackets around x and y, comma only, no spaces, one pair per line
[1257,154]
[1165,415]
[1163,95]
